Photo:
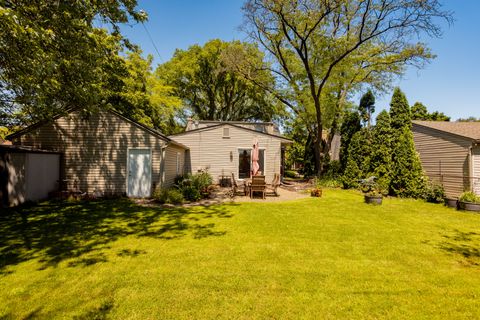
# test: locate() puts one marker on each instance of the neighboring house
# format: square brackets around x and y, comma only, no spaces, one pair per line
[107,154]
[225,147]
[27,174]
[450,153]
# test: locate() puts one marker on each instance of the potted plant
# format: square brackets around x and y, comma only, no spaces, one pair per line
[469,201]
[451,202]
[372,191]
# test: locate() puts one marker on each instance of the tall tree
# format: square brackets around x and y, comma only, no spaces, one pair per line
[317,48]
[350,126]
[420,112]
[381,151]
[367,107]
[407,175]
[211,89]
[53,58]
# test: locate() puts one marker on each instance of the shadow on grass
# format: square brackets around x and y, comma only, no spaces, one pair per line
[466,244]
[55,231]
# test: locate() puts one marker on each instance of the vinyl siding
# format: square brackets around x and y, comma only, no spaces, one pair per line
[209,149]
[444,157]
[95,149]
[171,163]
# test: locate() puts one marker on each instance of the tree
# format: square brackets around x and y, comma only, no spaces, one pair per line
[144,97]
[323,48]
[400,114]
[420,112]
[52,58]
[203,79]
[381,151]
[408,179]
[469,119]
[407,175]
[350,126]
[358,162]
[367,107]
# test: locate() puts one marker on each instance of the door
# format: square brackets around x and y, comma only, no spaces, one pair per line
[476,170]
[42,173]
[139,181]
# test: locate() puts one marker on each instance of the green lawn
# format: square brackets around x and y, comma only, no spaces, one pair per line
[327,258]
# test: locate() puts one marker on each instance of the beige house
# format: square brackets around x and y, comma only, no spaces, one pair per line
[450,153]
[106,153]
[225,147]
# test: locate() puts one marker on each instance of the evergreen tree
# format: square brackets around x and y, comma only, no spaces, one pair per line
[358,162]
[408,179]
[400,114]
[367,107]
[419,111]
[381,155]
[350,125]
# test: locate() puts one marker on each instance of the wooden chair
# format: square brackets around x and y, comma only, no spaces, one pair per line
[258,185]
[275,184]
[235,186]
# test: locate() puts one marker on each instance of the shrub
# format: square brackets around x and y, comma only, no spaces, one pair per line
[173,196]
[191,193]
[290,174]
[434,193]
[469,196]
[201,181]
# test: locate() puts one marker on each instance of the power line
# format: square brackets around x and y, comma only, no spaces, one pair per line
[153,43]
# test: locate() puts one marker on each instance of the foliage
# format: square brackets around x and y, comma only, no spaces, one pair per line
[351,125]
[370,187]
[296,131]
[358,162]
[321,51]
[434,193]
[144,97]
[407,176]
[381,164]
[212,90]
[400,115]
[194,186]
[290,174]
[469,196]
[367,107]
[52,58]
[469,119]
[172,196]
[420,112]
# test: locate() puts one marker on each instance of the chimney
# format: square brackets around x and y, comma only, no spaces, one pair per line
[189,124]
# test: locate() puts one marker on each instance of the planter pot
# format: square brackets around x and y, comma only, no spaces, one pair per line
[452,203]
[469,206]
[373,199]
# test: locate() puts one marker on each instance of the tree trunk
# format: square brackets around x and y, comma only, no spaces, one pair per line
[317,141]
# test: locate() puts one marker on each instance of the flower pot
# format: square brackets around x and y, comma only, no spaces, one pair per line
[469,206]
[451,203]
[377,199]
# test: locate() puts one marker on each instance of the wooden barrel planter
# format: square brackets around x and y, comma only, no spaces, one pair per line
[451,203]
[373,199]
[469,206]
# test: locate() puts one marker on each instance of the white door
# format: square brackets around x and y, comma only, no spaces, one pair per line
[139,180]
[42,172]
[476,170]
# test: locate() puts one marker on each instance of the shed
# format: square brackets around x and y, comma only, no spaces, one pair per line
[450,154]
[224,148]
[107,154]
[27,174]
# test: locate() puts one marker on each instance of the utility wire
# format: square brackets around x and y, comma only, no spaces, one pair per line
[153,43]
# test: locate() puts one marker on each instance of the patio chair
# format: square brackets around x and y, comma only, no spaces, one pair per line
[258,185]
[275,184]
[235,188]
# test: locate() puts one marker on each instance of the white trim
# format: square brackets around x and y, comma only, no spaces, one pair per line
[128,168]
[237,163]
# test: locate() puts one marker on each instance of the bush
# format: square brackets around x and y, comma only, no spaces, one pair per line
[172,196]
[469,196]
[434,193]
[290,174]
[201,181]
[191,193]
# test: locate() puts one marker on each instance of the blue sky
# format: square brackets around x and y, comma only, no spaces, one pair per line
[450,83]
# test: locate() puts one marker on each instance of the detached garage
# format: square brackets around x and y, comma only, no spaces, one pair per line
[106,154]
[27,174]
[450,154]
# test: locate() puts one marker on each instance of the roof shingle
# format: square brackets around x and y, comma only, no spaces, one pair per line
[469,130]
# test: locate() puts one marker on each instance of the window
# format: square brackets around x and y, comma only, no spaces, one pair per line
[226,132]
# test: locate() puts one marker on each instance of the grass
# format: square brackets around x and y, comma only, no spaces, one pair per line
[333,257]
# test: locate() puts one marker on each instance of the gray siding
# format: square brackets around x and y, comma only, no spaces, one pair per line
[209,149]
[95,149]
[444,157]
